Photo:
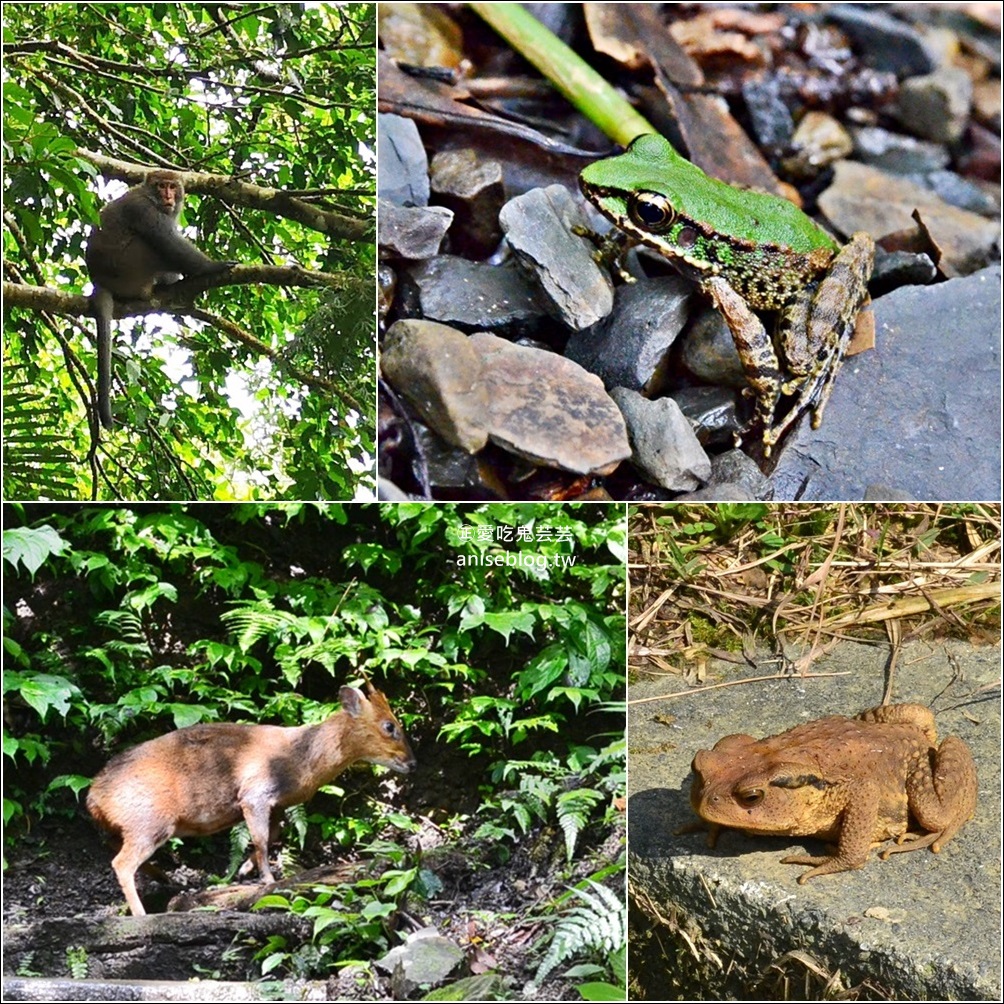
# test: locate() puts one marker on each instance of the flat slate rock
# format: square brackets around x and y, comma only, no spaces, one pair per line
[921,412]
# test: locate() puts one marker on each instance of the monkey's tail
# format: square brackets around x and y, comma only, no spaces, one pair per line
[103,312]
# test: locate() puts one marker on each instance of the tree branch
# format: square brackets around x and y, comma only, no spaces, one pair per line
[177,299]
[244,193]
[180,295]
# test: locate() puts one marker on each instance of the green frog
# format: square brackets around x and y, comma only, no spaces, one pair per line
[749,251]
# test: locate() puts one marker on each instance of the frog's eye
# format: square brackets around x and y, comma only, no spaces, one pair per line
[651,211]
[748,797]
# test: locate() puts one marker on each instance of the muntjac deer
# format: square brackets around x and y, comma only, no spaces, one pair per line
[205,778]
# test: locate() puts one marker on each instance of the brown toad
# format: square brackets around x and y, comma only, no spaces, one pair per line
[856,781]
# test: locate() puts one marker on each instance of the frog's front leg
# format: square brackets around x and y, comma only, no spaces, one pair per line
[756,353]
[611,250]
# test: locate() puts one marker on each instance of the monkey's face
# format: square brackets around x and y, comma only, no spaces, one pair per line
[168,196]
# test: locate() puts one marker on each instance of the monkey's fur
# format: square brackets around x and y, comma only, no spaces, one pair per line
[136,250]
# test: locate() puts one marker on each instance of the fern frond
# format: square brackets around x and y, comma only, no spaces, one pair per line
[598,928]
[256,620]
[573,809]
[240,841]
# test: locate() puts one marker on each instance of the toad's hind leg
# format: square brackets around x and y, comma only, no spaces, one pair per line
[941,789]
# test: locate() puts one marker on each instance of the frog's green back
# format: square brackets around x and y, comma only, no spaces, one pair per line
[651,164]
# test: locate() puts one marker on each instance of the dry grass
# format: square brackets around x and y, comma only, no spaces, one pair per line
[724,580]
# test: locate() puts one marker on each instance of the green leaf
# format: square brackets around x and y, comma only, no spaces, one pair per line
[42,691]
[32,547]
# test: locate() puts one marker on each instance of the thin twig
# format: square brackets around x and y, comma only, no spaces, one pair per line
[735,683]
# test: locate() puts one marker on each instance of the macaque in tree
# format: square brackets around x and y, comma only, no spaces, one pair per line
[137,250]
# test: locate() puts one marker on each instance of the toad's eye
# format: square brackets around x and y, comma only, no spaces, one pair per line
[749,797]
[651,211]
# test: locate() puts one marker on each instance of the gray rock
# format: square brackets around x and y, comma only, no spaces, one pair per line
[901,268]
[412,233]
[738,468]
[475,295]
[725,492]
[883,41]
[818,140]
[712,411]
[961,192]
[471,187]
[451,467]
[709,351]
[549,410]
[921,411]
[629,348]
[882,493]
[665,448]
[439,372]
[936,105]
[404,165]
[538,227]
[896,152]
[864,198]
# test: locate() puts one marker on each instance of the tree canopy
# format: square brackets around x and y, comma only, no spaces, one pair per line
[262,387]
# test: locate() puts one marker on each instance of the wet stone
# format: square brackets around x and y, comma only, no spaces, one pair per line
[629,348]
[665,448]
[900,268]
[448,466]
[538,227]
[548,409]
[712,412]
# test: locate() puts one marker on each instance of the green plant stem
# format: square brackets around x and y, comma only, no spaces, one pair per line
[573,77]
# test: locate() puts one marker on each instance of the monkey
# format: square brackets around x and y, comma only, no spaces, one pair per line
[136,251]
